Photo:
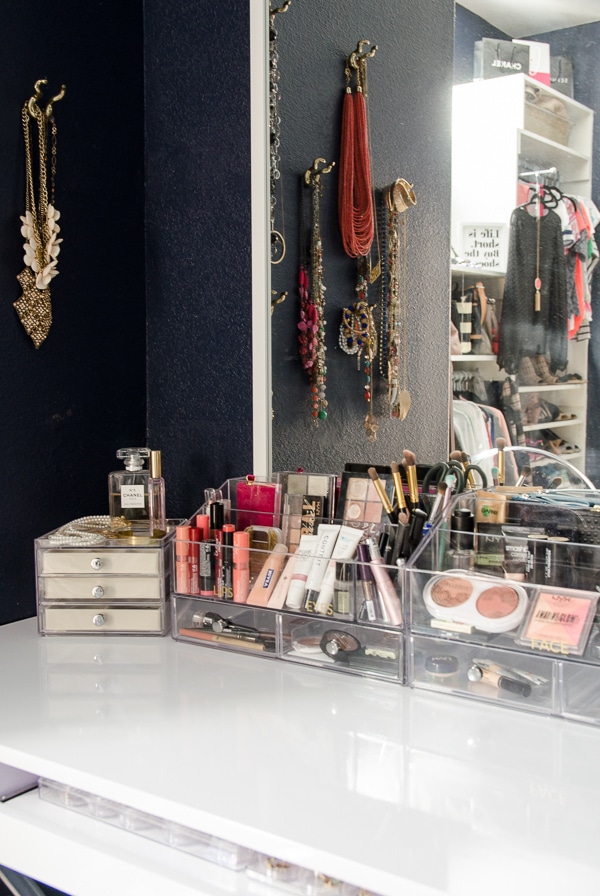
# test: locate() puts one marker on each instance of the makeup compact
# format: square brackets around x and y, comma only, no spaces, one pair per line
[360,501]
[483,604]
[559,622]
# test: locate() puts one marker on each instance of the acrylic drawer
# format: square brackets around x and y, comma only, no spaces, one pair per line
[101,620]
[144,562]
[108,589]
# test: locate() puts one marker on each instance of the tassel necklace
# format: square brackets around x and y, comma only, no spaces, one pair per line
[39,223]
[355,195]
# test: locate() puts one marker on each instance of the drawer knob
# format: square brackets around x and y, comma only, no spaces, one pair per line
[98,591]
[97,563]
[98,619]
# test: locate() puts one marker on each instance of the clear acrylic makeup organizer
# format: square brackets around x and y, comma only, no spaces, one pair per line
[373,648]
[549,681]
[520,668]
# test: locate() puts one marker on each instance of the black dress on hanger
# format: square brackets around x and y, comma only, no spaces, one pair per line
[523,330]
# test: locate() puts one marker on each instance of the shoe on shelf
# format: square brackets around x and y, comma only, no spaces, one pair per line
[527,374]
[540,364]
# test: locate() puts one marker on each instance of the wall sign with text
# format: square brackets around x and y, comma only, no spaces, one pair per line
[485,245]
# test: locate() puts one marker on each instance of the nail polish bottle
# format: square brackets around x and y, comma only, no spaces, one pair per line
[156,497]
[128,488]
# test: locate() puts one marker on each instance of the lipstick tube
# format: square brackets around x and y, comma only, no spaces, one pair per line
[241,567]
[194,558]
[182,559]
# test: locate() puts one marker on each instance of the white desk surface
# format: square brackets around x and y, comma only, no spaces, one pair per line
[406,793]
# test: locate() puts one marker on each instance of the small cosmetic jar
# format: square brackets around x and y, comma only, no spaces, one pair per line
[441,665]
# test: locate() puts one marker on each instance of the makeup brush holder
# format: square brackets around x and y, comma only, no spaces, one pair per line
[318,605]
[508,613]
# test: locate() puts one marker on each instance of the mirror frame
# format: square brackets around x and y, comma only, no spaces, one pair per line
[262,453]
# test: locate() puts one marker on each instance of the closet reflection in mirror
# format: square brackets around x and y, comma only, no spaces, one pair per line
[523,236]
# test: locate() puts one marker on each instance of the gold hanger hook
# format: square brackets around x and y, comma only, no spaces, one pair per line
[314,173]
[369,54]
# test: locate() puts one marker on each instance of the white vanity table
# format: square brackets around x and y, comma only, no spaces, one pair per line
[405,793]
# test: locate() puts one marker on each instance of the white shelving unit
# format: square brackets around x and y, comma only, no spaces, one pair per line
[495,136]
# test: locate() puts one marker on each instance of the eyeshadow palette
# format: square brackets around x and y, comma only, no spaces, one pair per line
[308,500]
[358,503]
[487,604]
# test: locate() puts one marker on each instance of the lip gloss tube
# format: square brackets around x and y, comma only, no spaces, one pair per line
[182,564]
[241,567]
[385,586]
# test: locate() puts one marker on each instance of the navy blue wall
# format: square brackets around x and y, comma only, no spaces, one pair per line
[68,406]
[198,243]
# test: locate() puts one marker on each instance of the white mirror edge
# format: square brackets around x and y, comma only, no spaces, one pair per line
[260,237]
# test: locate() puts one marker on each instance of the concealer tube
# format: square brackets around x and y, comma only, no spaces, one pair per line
[268,576]
[241,567]
[305,554]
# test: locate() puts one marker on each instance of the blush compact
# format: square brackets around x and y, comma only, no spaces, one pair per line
[487,604]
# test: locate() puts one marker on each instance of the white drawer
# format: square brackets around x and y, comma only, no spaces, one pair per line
[100,620]
[144,562]
[106,589]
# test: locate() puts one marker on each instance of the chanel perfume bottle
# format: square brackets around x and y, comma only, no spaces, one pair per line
[156,497]
[128,488]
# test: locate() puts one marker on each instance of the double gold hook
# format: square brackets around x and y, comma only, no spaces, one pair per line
[357,60]
[34,100]
[283,8]
[314,173]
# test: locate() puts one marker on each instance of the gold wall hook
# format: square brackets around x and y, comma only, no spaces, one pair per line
[280,298]
[283,8]
[34,101]
[315,173]
[55,99]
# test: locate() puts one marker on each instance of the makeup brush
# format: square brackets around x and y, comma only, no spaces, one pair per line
[383,496]
[409,462]
[438,501]
[525,474]
[470,475]
[501,445]
[399,489]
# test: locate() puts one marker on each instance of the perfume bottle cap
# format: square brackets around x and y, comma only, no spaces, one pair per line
[155,464]
[133,457]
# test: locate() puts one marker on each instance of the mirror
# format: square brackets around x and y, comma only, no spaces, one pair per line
[413,100]
[511,129]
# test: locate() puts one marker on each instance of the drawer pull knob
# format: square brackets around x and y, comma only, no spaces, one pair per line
[97,563]
[98,591]
[98,619]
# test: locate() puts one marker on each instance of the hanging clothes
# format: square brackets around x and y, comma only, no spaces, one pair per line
[524,331]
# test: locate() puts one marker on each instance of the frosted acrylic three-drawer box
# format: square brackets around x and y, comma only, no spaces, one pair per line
[103,584]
